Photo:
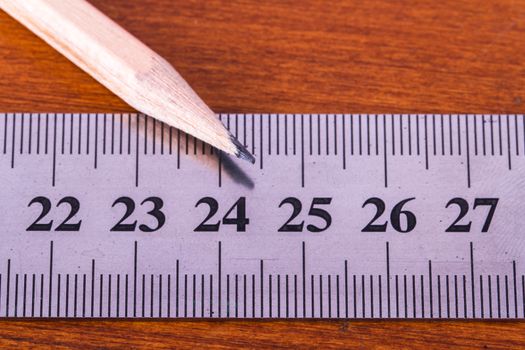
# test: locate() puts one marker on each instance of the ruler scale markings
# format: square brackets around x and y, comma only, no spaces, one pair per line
[346,288]
[523,129]
[7,287]
[405,295]
[96,142]
[58,294]
[227,296]
[92,305]
[410,134]
[338,297]
[355,295]
[285,134]
[515,289]
[104,122]
[236,296]
[302,160]
[401,143]
[117,311]
[177,289]
[475,117]
[143,296]
[129,116]
[54,151]
[516,137]
[458,120]
[481,296]
[431,301]
[498,296]
[113,134]
[468,153]
[490,295]
[439,295]
[422,297]
[278,137]
[388,277]
[126,296]
[426,142]
[121,132]
[31,133]
[472,280]
[344,140]
[151,296]
[360,135]
[508,143]
[434,134]
[392,124]
[219,294]
[100,294]
[507,295]
[483,122]
[75,296]
[71,128]
[24,296]
[154,138]
[450,138]
[22,133]
[417,134]
[13,141]
[329,292]
[261,150]
[270,295]
[500,137]
[321,296]
[16,295]
[278,296]
[397,296]
[414,310]
[385,162]
[465,303]
[522,294]
[352,134]
[491,134]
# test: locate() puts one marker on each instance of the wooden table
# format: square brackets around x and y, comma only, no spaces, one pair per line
[290,56]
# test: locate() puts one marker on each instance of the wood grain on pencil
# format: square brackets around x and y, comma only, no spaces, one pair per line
[124,65]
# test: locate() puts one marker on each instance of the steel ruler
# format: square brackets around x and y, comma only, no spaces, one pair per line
[342,216]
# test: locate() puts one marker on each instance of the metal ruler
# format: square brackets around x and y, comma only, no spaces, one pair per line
[343,216]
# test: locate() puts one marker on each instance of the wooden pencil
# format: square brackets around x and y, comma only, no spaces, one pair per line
[124,65]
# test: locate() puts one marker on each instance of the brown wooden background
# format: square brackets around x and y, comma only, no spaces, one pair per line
[290,56]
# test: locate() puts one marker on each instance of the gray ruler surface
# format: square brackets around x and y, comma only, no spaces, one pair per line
[342,216]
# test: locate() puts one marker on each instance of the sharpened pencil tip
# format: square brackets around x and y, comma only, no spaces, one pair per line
[241,151]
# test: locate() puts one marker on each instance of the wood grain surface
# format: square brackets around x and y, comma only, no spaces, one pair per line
[289,56]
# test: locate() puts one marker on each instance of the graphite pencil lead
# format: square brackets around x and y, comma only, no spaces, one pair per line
[241,151]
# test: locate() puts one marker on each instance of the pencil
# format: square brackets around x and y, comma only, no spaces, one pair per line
[124,65]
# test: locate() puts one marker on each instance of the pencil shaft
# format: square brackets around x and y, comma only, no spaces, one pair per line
[122,63]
